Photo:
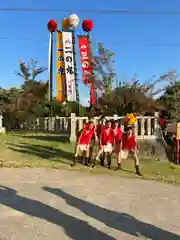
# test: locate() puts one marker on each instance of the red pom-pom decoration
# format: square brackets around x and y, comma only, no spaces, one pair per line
[87,25]
[52,26]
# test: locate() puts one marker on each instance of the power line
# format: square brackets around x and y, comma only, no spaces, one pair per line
[122,44]
[95,11]
[19,38]
[145,44]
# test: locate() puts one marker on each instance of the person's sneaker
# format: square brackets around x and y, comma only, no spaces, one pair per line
[102,163]
[138,172]
[119,167]
[82,160]
[92,165]
[86,163]
[74,163]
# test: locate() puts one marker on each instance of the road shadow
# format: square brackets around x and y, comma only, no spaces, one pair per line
[74,228]
[119,221]
[44,152]
[49,138]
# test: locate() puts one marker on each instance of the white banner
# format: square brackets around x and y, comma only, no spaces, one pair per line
[69,66]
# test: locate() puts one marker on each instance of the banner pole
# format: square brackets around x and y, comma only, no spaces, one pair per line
[177,152]
[50,71]
[92,85]
[50,65]
[177,141]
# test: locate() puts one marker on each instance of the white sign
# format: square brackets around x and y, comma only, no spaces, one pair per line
[69,66]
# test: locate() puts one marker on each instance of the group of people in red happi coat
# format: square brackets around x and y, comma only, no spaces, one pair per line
[111,139]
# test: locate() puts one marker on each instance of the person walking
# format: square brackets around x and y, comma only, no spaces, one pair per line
[106,142]
[129,148]
[100,127]
[117,142]
[83,143]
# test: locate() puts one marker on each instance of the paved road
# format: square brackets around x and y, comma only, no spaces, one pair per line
[59,205]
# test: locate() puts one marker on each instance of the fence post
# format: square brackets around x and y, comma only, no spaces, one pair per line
[136,128]
[2,129]
[156,125]
[80,123]
[142,122]
[115,117]
[73,128]
[149,126]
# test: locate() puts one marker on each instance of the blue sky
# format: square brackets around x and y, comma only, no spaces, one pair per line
[128,36]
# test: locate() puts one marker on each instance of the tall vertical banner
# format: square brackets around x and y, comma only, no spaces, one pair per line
[86,63]
[85,58]
[60,69]
[69,66]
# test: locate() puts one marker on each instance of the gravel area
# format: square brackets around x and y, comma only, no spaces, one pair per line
[59,205]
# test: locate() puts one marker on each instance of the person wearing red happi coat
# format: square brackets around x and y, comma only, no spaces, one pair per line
[117,141]
[129,147]
[83,142]
[93,140]
[99,130]
[106,142]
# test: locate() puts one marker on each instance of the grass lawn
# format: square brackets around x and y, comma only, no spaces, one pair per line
[54,151]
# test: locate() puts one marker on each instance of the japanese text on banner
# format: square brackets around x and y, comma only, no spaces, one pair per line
[60,75]
[85,59]
[69,66]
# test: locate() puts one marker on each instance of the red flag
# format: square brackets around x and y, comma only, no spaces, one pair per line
[85,59]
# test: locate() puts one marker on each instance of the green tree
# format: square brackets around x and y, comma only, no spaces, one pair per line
[103,68]
[132,96]
[30,70]
[171,101]
[4,99]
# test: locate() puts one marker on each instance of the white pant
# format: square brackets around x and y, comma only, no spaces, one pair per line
[124,153]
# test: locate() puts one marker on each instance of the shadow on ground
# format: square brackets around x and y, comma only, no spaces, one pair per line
[41,151]
[75,228]
[119,221]
[49,138]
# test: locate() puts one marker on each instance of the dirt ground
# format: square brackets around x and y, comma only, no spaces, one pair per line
[54,204]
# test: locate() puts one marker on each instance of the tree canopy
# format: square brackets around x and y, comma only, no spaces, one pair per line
[171,101]
[30,100]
